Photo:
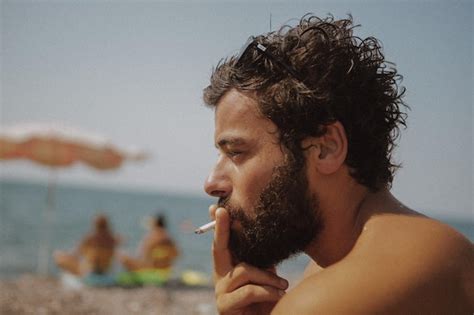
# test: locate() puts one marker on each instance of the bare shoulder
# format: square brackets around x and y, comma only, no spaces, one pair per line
[412,240]
[400,264]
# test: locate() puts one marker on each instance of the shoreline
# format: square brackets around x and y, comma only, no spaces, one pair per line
[33,294]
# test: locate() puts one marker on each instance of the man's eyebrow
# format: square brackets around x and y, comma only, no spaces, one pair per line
[229,141]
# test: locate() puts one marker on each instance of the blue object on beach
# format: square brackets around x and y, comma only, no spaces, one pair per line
[99,280]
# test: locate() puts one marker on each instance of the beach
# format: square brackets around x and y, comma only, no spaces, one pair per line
[32,294]
[21,227]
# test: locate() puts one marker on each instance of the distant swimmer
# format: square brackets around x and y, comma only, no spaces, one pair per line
[95,252]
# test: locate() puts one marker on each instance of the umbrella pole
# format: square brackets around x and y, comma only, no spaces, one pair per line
[47,225]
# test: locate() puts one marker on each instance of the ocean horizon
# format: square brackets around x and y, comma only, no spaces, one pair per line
[23,204]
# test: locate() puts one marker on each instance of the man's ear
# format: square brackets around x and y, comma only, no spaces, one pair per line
[328,152]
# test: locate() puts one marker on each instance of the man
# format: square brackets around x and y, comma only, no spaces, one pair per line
[305,122]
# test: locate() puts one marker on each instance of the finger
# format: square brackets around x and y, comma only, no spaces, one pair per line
[244,274]
[247,295]
[220,249]
[272,269]
[212,211]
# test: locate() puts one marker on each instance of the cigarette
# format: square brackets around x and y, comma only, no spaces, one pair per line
[206,227]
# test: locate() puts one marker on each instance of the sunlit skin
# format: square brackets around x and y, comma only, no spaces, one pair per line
[374,254]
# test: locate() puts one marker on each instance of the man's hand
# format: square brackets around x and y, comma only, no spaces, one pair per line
[241,288]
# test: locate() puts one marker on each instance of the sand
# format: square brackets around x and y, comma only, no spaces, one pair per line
[31,294]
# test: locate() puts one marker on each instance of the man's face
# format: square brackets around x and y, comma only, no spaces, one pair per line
[266,191]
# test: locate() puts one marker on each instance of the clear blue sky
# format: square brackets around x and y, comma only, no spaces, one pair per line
[134,71]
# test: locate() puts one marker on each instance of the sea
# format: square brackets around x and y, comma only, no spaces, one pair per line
[24,228]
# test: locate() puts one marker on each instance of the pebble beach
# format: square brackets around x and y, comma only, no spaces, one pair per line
[32,294]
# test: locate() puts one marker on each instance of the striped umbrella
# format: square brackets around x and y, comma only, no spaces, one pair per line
[56,146]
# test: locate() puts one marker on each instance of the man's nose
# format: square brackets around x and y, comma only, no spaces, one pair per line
[217,184]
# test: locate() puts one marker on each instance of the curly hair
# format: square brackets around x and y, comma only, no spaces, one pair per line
[341,77]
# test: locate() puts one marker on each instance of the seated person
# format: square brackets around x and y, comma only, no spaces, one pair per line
[94,254]
[157,250]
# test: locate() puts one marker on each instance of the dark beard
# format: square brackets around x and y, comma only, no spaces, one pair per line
[283,223]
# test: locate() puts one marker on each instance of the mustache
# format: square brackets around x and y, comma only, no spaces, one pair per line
[235,212]
[224,202]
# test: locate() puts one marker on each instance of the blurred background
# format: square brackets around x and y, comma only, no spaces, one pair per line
[133,71]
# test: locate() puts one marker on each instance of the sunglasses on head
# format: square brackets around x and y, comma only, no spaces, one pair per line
[252,43]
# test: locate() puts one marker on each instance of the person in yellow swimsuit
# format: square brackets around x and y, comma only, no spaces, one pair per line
[157,251]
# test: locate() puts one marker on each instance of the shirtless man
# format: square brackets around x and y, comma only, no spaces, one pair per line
[305,122]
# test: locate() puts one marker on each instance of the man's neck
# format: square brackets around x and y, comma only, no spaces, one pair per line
[344,212]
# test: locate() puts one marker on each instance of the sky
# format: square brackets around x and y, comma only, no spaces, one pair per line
[134,71]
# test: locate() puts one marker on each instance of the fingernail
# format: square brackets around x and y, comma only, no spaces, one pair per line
[219,210]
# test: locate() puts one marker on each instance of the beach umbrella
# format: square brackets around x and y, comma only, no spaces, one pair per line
[57,146]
